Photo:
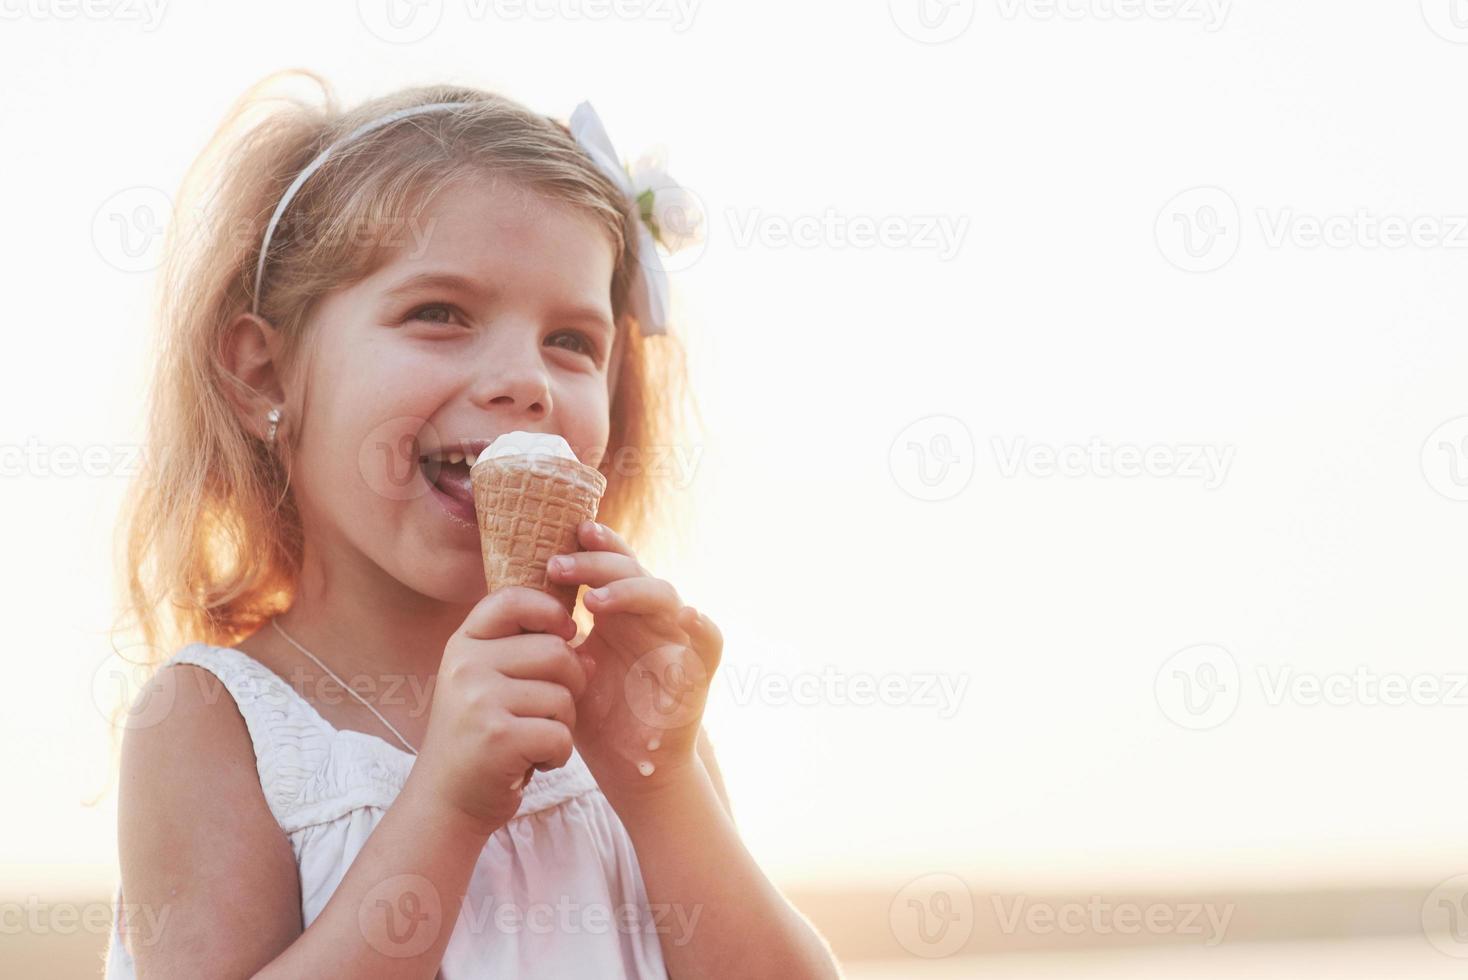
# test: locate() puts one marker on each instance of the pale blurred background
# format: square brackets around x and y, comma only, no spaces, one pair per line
[989,705]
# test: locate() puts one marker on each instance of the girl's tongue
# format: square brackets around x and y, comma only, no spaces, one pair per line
[451,478]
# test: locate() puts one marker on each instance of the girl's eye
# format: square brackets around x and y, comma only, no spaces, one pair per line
[430,313]
[443,313]
[583,343]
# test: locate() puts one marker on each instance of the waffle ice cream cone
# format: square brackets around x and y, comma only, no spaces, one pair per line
[529,507]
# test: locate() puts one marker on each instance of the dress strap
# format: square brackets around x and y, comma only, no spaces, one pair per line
[290,739]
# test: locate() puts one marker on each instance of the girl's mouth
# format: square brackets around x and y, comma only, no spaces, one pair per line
[448,474]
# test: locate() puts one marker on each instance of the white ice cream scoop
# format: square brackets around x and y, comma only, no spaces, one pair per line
[527,443]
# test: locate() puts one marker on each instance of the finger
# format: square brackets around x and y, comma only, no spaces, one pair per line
[541,742]
[594,536]
[545,658]
[516,609]
[708,641]
[540,699]
[645,596]
[588,665]
[593,567]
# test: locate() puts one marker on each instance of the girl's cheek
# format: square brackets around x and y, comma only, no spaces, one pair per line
[387,457]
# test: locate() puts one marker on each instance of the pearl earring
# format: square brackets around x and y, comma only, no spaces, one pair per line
[273,417]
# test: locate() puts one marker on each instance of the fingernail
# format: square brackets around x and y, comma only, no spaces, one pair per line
[597,594]
[560,564]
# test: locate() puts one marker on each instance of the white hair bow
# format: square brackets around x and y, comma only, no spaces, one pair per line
[667,214]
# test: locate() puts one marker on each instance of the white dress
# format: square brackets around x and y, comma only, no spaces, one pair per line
[564,863]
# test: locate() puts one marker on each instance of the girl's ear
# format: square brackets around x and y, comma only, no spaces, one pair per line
[248,352]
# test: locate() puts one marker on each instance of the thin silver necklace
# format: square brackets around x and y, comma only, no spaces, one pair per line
[345,686]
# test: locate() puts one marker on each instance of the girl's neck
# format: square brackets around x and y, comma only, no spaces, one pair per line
[381,638]
[357,618]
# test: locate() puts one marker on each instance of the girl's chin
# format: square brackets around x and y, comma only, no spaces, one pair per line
[452,583]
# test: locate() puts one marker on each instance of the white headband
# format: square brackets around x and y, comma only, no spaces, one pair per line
[648,296]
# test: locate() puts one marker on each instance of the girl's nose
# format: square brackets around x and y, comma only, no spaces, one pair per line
[512,376]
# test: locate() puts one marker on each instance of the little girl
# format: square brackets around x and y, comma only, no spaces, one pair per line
[355,763]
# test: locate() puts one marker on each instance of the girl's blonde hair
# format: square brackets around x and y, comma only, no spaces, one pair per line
[212,535]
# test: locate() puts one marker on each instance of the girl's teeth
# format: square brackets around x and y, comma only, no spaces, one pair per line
[456,457]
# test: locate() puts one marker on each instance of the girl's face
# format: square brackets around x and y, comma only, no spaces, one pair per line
[493,315]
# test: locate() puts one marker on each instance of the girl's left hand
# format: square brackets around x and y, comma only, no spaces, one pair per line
[654,659]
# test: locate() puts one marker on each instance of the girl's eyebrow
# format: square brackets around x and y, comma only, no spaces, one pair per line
[443,280]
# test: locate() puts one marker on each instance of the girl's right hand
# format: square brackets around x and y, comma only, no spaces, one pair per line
[503,705]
